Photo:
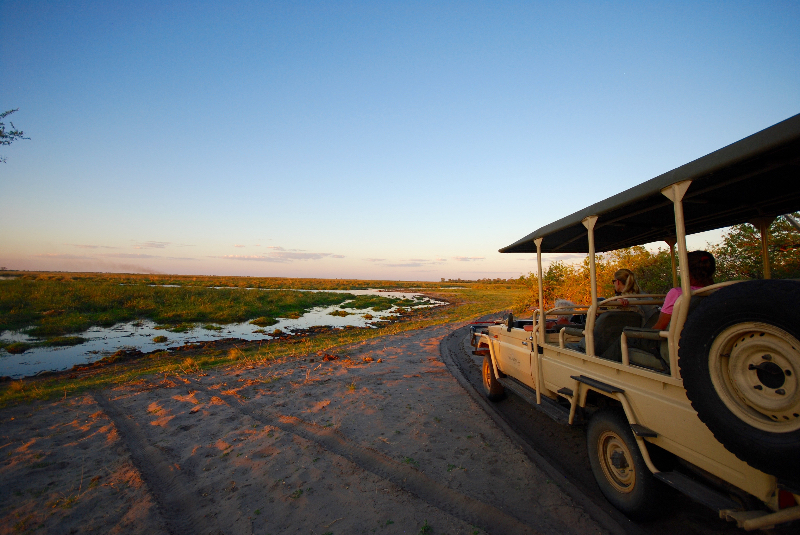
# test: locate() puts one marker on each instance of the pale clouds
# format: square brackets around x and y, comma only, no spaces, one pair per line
[281,255]
[468,258]
[412,263]
[84,246]
[128,255]
[140,255]
[63,256]
[151,245]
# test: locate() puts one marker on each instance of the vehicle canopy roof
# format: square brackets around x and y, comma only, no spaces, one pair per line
[758,176]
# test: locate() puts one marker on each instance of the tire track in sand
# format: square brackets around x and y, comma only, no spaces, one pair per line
[181,509]
[477,513]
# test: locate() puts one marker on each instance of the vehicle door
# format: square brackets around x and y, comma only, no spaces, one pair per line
[515,351]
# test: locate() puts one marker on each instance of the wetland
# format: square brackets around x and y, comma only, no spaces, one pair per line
[64,333]
[48,324]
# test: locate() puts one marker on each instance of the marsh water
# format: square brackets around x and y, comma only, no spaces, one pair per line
[104,341]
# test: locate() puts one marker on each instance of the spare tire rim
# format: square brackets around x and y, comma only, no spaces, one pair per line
[616,462]
[755,369]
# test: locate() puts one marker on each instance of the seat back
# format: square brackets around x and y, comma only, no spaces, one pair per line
[650,315]
[608,328]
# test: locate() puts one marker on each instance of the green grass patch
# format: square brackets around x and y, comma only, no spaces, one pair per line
[264,321]
[15,348]
[340,313]
[160,339]
[60,341]
[466,303]
[53,307]
[378,303]
[56,341]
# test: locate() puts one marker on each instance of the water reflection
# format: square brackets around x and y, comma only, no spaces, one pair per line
[104,341]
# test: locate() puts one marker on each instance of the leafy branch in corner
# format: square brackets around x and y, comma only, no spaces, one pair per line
[8,136]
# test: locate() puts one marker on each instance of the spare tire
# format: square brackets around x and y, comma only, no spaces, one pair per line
[740,362]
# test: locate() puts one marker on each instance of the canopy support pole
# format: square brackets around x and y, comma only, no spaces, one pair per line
[675,193]
[542,322]
[671,243]
[589,223]
[762,224]
[792,221]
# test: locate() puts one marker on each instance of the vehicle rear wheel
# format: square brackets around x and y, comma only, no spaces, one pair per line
[618,466]
[491,386]
[740,362]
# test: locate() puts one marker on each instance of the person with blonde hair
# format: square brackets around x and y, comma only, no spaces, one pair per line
[624,282]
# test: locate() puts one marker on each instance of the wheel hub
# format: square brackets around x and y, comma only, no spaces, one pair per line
[618,460]
[755,369]
[614,455]
[770,374]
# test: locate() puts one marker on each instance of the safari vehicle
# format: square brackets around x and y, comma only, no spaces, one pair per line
[711,406]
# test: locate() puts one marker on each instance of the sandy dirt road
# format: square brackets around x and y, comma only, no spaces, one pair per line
[562,452]
[388,445]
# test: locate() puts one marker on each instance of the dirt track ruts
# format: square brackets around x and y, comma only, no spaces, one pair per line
[380,440]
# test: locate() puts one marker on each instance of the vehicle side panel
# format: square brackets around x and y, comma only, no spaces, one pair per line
[658,402]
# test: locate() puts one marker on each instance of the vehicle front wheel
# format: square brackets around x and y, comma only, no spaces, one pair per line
[618,466]
[491,386]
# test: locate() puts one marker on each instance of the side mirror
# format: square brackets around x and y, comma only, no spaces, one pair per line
[510,321]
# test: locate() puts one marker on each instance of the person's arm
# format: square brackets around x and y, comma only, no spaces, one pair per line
[666,311]
[663,322]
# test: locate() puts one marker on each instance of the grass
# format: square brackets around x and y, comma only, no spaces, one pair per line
[205,281]
[378,303]
[264,321]
[53,307]
[55,341]
[466,303]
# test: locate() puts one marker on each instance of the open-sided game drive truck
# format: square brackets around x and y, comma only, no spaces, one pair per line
[711,405]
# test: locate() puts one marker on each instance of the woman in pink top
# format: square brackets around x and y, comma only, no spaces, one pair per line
[701,273]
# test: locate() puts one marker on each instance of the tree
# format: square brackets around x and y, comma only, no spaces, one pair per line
[739,254]
[738,257]
[9,136]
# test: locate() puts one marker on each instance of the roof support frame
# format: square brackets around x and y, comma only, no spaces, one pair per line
[588,334]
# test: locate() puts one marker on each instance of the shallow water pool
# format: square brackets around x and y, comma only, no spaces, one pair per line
[104,341]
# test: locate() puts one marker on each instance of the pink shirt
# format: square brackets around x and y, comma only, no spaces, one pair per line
[672,296]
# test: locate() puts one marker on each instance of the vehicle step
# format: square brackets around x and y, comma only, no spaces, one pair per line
[600,385]
[565,391]
[642,431]
[697,491]
[548,406]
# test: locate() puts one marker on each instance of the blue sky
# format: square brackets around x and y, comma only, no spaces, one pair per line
[400,140]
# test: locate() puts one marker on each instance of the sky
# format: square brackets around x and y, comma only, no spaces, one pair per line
[370,140]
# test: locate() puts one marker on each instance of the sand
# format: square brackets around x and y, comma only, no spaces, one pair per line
[382,440]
